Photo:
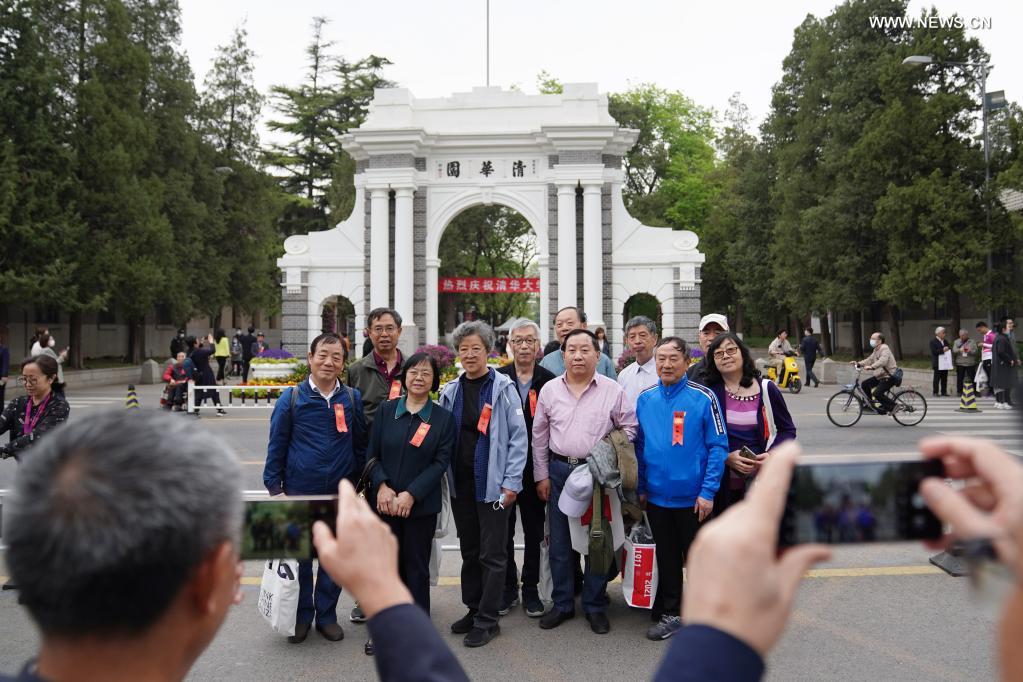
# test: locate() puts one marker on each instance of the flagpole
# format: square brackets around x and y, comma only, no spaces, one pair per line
[488,43]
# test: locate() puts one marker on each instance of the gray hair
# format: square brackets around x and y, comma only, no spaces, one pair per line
[641,321]
[111,515]
[475,328]
[523,323]
[938,330]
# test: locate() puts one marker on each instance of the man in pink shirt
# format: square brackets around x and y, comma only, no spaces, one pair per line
[573,412]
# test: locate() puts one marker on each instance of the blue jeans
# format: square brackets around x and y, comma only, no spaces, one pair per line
[562,573]
[327,594]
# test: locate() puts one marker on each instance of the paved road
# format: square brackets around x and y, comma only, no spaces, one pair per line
[879,612]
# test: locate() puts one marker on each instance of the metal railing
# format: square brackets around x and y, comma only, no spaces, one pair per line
[237,397]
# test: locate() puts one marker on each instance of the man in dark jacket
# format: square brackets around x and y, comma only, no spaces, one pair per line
[939,346]
[178,345]
[247,342]
[528,377]
[378,374]
[809,348]
[317,438]
[711,327]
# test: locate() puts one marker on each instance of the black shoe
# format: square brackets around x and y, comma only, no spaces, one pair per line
[463,625]
[357,616]
[8,586]
[479,636]
[507,604]
[533,605]
[599,622]
[554,618]
[331,632]
[369,650]
[301,632]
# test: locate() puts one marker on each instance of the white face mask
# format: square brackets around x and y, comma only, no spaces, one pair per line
[873,343]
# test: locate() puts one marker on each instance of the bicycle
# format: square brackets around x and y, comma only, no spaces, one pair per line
[846,407]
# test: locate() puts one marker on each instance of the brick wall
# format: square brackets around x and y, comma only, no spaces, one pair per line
[419,262]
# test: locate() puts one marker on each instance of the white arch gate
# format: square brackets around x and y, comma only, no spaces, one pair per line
[556,159]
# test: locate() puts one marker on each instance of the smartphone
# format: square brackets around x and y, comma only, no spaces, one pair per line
[282,527]
[746,453]
[851,501]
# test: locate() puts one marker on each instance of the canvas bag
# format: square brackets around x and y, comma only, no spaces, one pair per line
[278,595]
[639,564]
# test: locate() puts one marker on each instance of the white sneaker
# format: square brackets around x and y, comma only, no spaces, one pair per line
[1002,406]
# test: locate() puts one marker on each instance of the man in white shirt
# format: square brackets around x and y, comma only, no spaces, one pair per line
[777,351]
[641,337]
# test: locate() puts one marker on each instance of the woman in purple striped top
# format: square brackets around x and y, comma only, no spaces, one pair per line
[751,421]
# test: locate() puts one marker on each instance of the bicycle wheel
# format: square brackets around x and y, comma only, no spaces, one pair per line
[908,407]
[844,408]
[795,385]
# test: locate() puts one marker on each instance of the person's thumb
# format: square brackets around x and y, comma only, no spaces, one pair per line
[794,564]
[953,508]
[323,539]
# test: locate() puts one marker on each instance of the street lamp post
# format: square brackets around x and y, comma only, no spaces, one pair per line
[979,72]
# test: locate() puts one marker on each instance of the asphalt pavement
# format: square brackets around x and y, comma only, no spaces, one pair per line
[874,612]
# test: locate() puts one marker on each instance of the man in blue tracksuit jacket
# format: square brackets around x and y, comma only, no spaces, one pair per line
[317,437]
[681,446]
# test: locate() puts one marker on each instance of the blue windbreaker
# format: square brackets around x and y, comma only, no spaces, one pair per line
[675,475]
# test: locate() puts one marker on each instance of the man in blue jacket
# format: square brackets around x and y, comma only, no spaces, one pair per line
[317,438]
[681,446]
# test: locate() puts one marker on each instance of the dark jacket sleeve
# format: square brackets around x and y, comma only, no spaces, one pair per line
[782,417]
[359,435]
[5,361]
[9,417]
[429,478]
[639,445]
[57,411]
[699,653]
[277,447]
[376,449]
[408,647]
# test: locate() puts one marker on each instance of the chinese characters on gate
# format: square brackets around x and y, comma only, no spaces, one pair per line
[485,169]
[488,285]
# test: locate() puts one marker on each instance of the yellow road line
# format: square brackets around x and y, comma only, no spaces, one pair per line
[861,572]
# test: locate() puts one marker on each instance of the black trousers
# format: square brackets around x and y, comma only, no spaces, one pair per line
[415,543]
[483,538]
[964,375]
[221,361]
[245,370]
[940,379]
[810,376]
[881,394]
[674,530]
[531,508]
[986,364]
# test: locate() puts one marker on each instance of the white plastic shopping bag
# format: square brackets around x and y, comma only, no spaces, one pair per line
[278,595]
[980,378]
[545,588]
[639,582]
[945,360]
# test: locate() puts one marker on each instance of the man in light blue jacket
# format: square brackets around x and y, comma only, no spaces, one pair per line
[681,446]
[490,454]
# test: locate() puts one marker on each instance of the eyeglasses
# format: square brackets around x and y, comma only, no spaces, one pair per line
[473,351]
[380,330]
[28,381]
[729,352]
[528,341]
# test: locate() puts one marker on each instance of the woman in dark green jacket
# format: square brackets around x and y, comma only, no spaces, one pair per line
[414,439]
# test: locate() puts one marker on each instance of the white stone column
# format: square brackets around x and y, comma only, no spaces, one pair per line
[566,248]
[403,264]
[432,295]
[545,300]
[593,257]
[379,250]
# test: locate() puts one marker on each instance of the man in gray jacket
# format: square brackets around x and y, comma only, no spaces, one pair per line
[490,454]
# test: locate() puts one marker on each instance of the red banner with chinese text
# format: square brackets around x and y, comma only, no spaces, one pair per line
[488,285]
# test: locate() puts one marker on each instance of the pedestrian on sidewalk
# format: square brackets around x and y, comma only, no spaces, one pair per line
[1003,368]
[939,346]
[200,357]
[221,351]
[987,342]
[964,351]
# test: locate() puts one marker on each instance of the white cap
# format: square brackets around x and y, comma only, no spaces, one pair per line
[577,494]
[716,318]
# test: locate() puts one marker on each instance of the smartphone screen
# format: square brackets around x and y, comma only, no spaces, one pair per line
[852,502]
[282,527]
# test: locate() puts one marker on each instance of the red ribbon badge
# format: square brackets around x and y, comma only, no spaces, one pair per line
[532,402]
[395,390]
[339,419]
[484,421]
[420,434]
[677,428]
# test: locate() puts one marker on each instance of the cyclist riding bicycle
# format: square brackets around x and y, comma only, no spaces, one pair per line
[882,363]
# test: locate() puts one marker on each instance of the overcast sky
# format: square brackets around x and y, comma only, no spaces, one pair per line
[708,50]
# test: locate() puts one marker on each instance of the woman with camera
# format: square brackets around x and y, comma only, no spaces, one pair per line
[42,407]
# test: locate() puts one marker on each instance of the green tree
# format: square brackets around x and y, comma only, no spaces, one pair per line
[231,103]
[489,241]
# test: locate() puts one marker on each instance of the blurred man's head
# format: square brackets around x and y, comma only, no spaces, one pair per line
[125,526]
[711,326]
[568,319]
